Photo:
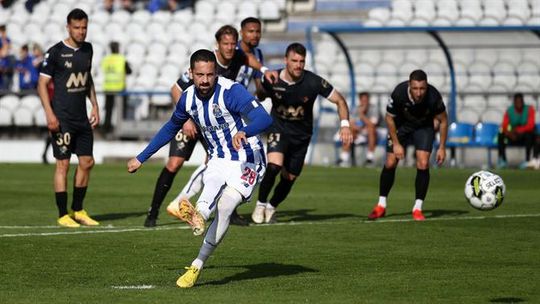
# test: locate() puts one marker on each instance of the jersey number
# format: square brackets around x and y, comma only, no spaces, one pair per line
[274,137]
[249,175]
[63,139]
[181,137]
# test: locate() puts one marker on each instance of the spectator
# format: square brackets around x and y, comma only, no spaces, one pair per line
[115,68]
[7,61]
[517,129]
[28,73]
[364,129]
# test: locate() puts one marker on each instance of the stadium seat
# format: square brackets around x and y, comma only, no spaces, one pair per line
[476,102]
[468,115]
[496,10]
[460,134]
[101,17]
[513,21]
[40,119]
[424,10]
[417,57]
[498,101]
[519,9]
[183,17]
[31,102]
[162,17]
[395,57]
[504,76]
[485,134]
[405,69]
[121,17]
[247,9]
[5,117]
[492,116]
[471,10]
[269,10]
[479,76]
[9,102]
[401,10]
[528,75]
[23,117]
[379,14]
[140,17]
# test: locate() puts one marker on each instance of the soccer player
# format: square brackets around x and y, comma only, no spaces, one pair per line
[68,64]
[410,115]
[293,97]
[229,62]
[237,161]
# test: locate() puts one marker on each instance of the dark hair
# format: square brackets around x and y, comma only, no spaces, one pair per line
[296,47]
[115,47]
[226,30]
[76,14]
[24,47]
[201,55]
[418,75]
[249,20]
[2,27]
[518,95]
[363,93]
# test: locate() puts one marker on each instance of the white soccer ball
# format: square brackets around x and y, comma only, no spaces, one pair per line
[485,190]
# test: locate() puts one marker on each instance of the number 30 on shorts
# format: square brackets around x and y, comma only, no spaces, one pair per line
[249,175]
[63,139]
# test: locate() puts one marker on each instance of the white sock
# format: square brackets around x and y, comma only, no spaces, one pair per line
[270,207]
[382,201]
[344,156]
[369,155]
[418,204]
[197,263]
[204,209]
[262,204]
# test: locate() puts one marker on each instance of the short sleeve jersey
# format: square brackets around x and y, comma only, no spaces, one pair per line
[292,103]
[70,70]
[246,73]
[414,115]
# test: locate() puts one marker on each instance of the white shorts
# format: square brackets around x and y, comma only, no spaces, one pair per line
[242,176]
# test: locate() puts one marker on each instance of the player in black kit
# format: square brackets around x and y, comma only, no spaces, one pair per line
[410,115]
[68,64]
[229,62]
[293,97]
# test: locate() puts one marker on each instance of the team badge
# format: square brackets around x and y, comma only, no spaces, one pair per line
[217,111]
[324,83]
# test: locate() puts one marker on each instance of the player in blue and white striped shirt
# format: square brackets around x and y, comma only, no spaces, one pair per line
[237,162]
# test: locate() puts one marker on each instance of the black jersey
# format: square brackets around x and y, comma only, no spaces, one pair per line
[70,70]
[292,104]
[409,114]
[231,71]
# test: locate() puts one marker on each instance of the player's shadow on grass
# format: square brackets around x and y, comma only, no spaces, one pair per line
[117,216]
[304,215]
[433,213]
[507,300]
[263,270]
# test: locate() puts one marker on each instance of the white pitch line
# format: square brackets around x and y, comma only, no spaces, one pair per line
[121,230]
[134,287]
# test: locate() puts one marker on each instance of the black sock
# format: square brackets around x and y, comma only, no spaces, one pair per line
[61,203]
[78,196]
[281,191]
[422,183]
[163,185]
[267,183]
[386,181]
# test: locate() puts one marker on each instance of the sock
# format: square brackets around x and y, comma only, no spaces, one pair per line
[418,204]
[61,203]
[421,184]
[281,191]
[269,207]
[78,196]
[198,263]
[382,201]
[194,184]
[262,204]
[267,183]
[386,181]
[163,185]
[204,208]
[344,156]
[370,155]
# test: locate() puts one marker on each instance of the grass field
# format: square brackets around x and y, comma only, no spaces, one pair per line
[322,250]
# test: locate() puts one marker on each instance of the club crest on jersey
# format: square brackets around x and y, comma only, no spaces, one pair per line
[217,111]
[305,99]
[68,64]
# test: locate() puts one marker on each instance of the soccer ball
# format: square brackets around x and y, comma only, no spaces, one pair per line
[485,190]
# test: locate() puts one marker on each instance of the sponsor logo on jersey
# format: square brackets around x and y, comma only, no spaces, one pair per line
[66,55]
[68,64]
[77,82]
[215,128]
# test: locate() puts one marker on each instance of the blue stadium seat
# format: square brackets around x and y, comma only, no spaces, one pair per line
[460,134]
[485,135]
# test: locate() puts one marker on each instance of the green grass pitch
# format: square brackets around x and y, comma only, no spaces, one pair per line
[322,250]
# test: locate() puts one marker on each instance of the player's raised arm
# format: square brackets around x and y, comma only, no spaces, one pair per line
[345,133]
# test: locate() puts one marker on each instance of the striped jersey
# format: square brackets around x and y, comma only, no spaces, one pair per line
[246,73]
[220,117]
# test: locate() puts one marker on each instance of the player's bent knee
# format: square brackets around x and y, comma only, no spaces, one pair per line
[86,163]
[273,169]
[230,198]
[422,164]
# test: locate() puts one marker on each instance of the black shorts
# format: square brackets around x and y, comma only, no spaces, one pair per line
[182,146]
[422,139]
[294,150]
[73,138]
